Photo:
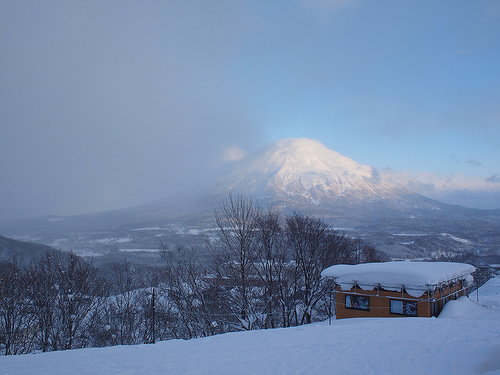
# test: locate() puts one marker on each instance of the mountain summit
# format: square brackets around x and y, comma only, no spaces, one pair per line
[305,170]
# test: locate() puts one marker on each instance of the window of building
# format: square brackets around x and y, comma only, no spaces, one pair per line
[357,302]
[408,308]
[397,307]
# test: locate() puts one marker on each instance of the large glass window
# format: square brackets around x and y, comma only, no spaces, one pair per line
[357,302]
[397,307]
[408,308]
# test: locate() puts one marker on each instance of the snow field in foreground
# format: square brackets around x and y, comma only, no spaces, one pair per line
[465,339]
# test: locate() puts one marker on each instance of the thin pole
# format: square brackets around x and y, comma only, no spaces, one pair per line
[330,315]
[477,291]
[153,318]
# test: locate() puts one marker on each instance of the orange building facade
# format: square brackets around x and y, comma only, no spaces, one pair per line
[397,289]
[359,303]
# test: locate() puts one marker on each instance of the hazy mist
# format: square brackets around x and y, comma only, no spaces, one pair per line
[108,104]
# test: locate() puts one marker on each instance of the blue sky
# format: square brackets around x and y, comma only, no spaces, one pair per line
[407,76]
[106,104]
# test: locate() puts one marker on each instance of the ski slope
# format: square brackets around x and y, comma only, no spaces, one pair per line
[465,339]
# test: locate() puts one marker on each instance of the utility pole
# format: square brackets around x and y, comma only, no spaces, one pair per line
[153,317]
[330,310]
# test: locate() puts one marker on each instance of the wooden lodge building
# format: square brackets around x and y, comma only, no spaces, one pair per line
[397,289]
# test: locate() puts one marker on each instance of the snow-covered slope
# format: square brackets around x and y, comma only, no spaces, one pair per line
[459,344]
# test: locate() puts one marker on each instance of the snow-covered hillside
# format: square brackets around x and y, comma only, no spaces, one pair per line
[465,339]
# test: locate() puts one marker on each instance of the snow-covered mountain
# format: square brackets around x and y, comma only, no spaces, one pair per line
[305,172]
[305,169]
[299,175]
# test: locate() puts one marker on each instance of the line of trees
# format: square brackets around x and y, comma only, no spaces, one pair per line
[49,305]
[272,265]
[264,272]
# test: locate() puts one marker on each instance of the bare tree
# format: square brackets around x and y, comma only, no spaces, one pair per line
[235,249]
[65,294]
[43,292]
[369,254]
[315,246]
[17,321]
[191,294]
[271,263]
[124,308]
[79,290]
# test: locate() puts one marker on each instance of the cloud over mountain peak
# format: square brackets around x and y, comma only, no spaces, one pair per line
[306,169]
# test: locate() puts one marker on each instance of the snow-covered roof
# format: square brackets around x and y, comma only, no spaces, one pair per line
[415,277]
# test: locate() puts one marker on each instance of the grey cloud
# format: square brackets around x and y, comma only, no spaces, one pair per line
[421,187]
[475,163]
[375,176]
[109,104]
[495,179]
[450,178]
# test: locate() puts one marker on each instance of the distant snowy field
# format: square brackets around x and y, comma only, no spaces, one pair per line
[465,339]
